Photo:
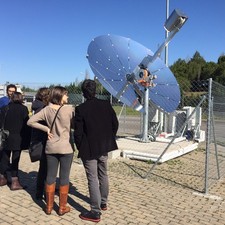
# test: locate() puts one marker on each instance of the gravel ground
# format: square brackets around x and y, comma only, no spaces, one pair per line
[187,171]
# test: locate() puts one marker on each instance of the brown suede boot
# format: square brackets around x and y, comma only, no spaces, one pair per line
[15,185]
[50,194]
[63,195]
[3,180]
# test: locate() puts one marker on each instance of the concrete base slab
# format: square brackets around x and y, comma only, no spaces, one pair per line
[114,154]
[134,149]
[168,140]
[214,197]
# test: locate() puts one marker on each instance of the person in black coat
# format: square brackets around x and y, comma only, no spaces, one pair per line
[41,100]
[95,130]
[16,119]
[10,89]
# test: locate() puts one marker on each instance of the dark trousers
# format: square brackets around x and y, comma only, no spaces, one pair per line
[0,162]
[98,184]
[63,161]
[42,174]
[10,168]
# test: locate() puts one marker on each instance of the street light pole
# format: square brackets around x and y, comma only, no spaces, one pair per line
[167,33]
[163,116]
[172,25]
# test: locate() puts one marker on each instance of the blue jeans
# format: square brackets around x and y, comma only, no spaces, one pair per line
[98,184]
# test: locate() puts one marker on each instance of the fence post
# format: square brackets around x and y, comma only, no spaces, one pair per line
[208,134]
[174,137]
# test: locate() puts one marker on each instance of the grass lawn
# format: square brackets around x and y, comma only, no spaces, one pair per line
[128,110]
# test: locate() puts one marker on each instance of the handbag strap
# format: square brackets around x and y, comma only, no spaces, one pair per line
[55,117]
[3,121]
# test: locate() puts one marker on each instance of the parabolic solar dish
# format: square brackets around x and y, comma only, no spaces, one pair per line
[114,58]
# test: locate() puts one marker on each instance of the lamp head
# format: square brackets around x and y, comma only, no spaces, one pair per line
[175,21]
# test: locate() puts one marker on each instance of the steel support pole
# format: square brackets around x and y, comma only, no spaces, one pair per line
[144,137]
[208,137]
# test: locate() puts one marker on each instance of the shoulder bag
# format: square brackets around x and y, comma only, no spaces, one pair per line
[36,147]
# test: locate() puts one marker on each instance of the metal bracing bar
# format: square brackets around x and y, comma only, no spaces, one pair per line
[174,137]
[149,59]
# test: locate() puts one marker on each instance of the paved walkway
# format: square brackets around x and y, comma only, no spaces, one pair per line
[133,200]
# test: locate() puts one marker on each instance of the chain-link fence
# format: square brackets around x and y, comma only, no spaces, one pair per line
[197,125]
[215,140]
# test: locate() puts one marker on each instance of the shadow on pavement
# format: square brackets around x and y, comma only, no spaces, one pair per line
[166,175]
[29,180]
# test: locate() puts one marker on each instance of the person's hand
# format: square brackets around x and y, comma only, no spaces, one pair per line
[50,135]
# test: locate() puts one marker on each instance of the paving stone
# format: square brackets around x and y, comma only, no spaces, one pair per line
[166,197]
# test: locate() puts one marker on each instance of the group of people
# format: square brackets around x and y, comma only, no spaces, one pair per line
[95,126]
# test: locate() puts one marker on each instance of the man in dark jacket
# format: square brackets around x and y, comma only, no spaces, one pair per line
[96,125]
[10,89]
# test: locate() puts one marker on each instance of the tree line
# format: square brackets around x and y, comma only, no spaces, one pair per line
[197,70]
[187,72]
